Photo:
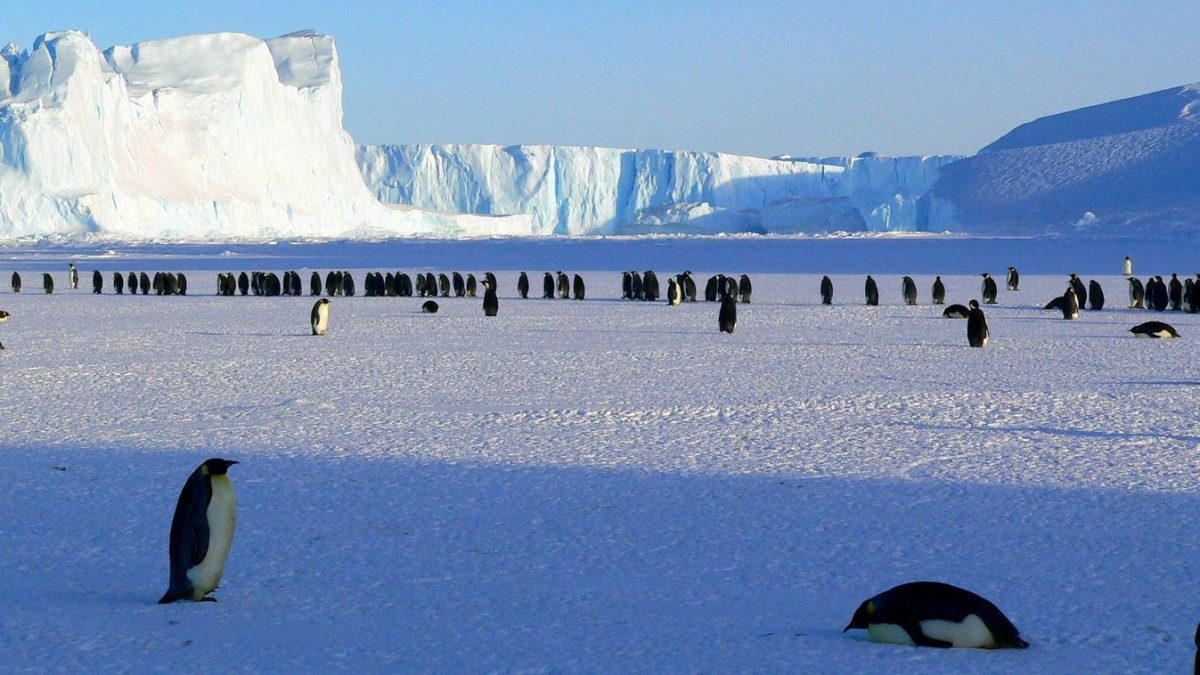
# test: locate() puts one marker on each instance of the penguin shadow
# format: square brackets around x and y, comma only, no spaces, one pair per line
[245,334]
[1073,433]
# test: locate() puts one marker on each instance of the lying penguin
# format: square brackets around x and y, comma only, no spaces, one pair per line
[933,614]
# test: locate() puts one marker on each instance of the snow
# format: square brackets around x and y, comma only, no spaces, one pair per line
[588,190]
[206,137]
[601,485]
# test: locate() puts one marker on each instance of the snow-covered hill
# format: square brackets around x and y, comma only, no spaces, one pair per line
[587,190]
[1124,167]
[220,136]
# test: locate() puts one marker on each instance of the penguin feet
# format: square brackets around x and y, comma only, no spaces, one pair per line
[208,598]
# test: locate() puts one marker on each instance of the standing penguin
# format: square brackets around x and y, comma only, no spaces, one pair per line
[908,288]
[444,284]
[118,283]
[132,284]
[710,289]
[1161,297]
[47,283]
[1014,279]
[491,303]
[564,286]
[674,297]
[1137,294]
[689,287]
[460,285]
[577,287]
[872,291]
[727,317]
[1095,295]
[347,283]
[988,289]
[1127,267]
[939,292]
[977,328]
[201,532]
[744,289]
[3,319]
[1080,289]
[826,291]
[314,283]
[97,282]
[523,285]
[16,282]
[650,287]
[933,614]
[181,285]
[320,316]
[1070,305]
[548,286]
[1175,292]
[73,277]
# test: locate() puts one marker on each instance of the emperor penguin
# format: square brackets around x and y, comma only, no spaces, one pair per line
[674,297]
[977,328]
[320,316]
[635,285]
[939,292]
[181,285]
[1095,295]
[118,283]
[1014,279]
[577,287]
[430,307]
[710,289]
[97,282]
[73,277]
[244,283]
[650,287]
[1080,289]
[16,282]
[201,532]
[491,304]
[314,283]
[872,291]
[934,614]
[908,288]
[1137,294]
[727,317]
[1175,292]
[626,285]
[548,286]
[1127,267]
[564,286]
[47,283]
[689,287]
[523,286]
[826,291]
[957,311]
[1070,305]
[988,289]
[460,285]
[347,283]
[1154,329]
[745,289]
[472,285]
[3,319]
[133,284]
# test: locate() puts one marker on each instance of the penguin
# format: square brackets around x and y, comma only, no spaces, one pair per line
[491,304]
[689,287]
[272,287]
[1196,663]
[181,284]
[635,285]
[548,286]
[674,297]
[97,282]
[319,318]
[731,288]
[826,291]
[170,284]
[369,288]
[347,283]
[1095,295]
[1175,292]
[1154,329]
[872,291]
[523,286]
[443,284]
[977,328]
[577,287]
[201,532]
[144,282]
[1014,279]
[934,614]
[1137,294]
[1161,298]
[4,316]
[650,288]
[16,282]
[956,312]
[472,286]
[744,289]
[564,286]
[430,307]
[1127,267]
[1070,305]
[459,284]
[404,285]
[727,317]
[314,283]
[118,283]
[132,284]
[1080,289]
[244,283]
[908,288]
[988,289]
[626,286]
[1189,296]
[1056,304]
[939,292]
[158,284]
[73,277]
[710,290]
[47,283]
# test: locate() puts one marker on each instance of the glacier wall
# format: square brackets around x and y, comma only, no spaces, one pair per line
[588,190]
[221,136]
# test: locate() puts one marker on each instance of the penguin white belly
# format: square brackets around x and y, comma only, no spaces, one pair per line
[322,322]
[889,633]
[222,517]
[970,632]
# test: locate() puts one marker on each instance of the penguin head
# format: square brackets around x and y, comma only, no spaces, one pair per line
[862,616]
[217,466]
[984,275]
[974,304]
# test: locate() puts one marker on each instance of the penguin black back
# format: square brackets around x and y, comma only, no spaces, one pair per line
[523,285]
[727,317]
[491,304]
[934,614]
[908,288]
[939,292]
[1080,289]
[1137,294]
[47,283]
[871,290]
[16,282]
[118,283]
[430,307]
[710,289]
[195,535]
[97,281]
[1014,279]
[988,289]
[977,328]
[745,289]
[826,291]
[578,287]
[1095,295]
[548,286]
[472,285]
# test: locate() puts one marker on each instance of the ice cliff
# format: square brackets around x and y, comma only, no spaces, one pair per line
[221,136]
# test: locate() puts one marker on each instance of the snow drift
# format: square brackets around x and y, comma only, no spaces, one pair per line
[588,190]
[221,136]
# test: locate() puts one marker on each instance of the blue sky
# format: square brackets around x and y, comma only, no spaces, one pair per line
[761,78]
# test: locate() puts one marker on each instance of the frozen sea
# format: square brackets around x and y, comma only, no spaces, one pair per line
[599,485]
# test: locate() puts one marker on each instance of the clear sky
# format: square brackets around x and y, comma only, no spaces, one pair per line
[760,78]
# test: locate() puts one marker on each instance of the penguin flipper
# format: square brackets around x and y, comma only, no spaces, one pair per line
[920,639]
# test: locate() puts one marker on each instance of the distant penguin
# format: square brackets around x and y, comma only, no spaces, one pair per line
[1137,294]
[47,283]
[1161,297]
[1175,292]
[1014,279]
[988,289]
[144,282]
[826,291]
[491,304]
[1154,329]
[158,284]
[132,283]
[1127,267]
[118,283]
[97,282]
[347,283]
[4,316]
[577,287]
[72,277]
[977,328]
[548,286]
[1080,289]
[626,285]
[170,284]
[404,285]
[727,317]
[459,284]
[1189,297]
[710,289]
[523,285]
[314,283]
[957,312]
[430,307]
[472,286]
[871,290]
[564,286]
[731,288]
[181,284]
[744,289]
[319,318]
[636,287]
[443,284]
[939,292]
[16,282]
[1070,305]
[908,289]
[1095,295]
[244,283]
[201,532]
[934,614]
[674,297]
[689,287]
[650,288]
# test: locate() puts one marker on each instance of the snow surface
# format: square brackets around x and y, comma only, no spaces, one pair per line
[589,190]
[602,485]
[222,136]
